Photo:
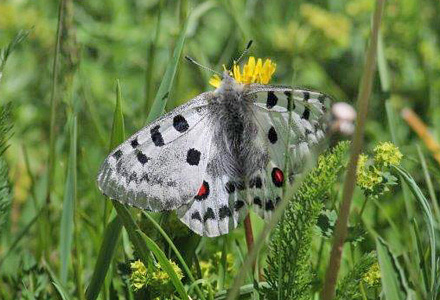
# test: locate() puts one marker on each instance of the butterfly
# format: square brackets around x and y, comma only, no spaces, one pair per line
[221,153]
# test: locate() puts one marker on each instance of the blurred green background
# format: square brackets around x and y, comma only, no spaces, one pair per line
[318,44]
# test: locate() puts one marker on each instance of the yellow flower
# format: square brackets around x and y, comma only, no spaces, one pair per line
[367,176]
[372,277]
[138,277]
[254,71]
[215,81]
[387,154]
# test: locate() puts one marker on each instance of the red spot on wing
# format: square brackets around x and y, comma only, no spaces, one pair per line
[202,191]
[277,177]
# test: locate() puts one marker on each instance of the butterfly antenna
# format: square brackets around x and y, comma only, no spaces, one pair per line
[192,60]
[246,50]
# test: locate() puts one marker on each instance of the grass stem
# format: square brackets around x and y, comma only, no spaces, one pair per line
[331,275]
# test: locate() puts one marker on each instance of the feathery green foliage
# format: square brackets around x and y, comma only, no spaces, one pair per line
[361,279]
[289,274]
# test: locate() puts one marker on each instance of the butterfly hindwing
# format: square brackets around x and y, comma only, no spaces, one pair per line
[161,166]
[290,122]
[216,209]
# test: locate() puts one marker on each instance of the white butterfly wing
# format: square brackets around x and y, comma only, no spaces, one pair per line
[290,122]
[161,166]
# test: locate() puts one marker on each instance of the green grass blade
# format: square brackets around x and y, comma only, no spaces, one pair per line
[163,93]
[178,255]
[389,274]
[118,127]
[151,60]
[59,287]
[111,236]
[113,229]
[117,136]
[133,232]
[429,219]
[61,291]
[429,184]
[421,266]
[165,264]
[382,64]
[66,226]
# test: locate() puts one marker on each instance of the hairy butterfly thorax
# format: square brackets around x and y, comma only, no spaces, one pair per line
[220,153]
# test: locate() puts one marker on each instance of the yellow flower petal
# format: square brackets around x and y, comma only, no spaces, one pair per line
[215,81]
[254,71]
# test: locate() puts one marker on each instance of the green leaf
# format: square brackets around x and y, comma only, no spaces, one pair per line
[164,91]
[118,128]
[389,274]
[165,264]
[105,256]
[59,287]
[429,220]
[113,229]
[178,255]
[66,226]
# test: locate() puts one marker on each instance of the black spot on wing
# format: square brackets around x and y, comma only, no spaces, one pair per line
[272,135]
[134,143]
[156,136]
[224,212]
[238,205]
[193,157]
[269,205]
[209,214]
[306,113]
[256,182]
[145,177]
[257,201]
[306,96]
[230,187]
[142,158]
[272,100]
[196,216]
[117,154]
[180,123]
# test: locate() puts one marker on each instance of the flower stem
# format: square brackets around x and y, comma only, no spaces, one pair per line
[331,275]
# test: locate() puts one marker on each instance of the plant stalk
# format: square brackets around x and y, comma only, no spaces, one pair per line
[331,276]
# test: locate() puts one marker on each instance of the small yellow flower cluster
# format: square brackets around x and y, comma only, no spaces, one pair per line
[387,154]
[372,277]
[372,174]
[159,280]
[139,277]
[368,176]
[253,72]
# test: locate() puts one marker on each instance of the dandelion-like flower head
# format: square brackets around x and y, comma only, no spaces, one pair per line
[254,71]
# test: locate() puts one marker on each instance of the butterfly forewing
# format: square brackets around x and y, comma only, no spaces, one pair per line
[161,166]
